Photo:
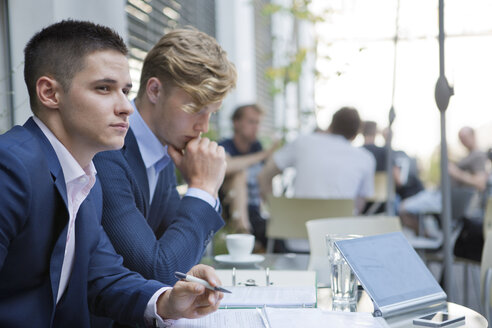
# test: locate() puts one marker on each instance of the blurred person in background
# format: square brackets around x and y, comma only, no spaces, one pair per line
[245,159]
[468,174]
[327,164]
[369,132]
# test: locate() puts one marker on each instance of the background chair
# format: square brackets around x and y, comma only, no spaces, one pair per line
[288,216]
[359,225]
[486,276]
[380,195]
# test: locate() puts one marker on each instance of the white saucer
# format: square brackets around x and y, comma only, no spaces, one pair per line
[227,258]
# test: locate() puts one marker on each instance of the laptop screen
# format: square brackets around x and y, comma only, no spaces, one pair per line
[388,268]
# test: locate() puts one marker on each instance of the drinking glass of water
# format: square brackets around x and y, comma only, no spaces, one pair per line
[343,281]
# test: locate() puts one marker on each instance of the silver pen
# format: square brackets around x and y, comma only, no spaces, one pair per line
[190,278]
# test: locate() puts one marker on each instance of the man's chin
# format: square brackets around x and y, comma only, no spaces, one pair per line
[116,145]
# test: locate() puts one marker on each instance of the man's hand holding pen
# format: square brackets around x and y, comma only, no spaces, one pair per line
[191,299]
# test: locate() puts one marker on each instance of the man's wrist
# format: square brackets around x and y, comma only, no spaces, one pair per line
[162,305]
[203,195]
[155,315]
[212,192]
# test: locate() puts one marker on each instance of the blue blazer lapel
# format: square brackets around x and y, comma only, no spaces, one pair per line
[134,159]
[58,254]
[51,158]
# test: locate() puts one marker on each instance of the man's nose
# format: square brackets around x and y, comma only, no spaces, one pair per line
[202,124]
[124,106]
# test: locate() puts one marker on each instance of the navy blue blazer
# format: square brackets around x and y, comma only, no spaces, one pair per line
[33,229]
[155,239]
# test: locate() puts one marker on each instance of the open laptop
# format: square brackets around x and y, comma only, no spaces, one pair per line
[392,274]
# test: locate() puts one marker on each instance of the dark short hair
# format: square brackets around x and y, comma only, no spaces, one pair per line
[239,111]
[345,122]
[60,49]
[369,128]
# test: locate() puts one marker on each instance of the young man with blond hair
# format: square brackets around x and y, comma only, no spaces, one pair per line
[56,262]
[184,79]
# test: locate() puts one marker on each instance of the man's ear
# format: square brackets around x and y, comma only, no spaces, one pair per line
[48,92]
[153,89]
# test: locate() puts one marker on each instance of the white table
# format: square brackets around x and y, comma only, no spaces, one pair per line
[300,262]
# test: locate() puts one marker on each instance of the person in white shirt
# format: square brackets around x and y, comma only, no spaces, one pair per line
[327,165]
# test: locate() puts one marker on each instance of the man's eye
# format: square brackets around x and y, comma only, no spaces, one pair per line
[103,88]
[126,91]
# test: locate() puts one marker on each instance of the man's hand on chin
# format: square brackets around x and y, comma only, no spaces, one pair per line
[202,164]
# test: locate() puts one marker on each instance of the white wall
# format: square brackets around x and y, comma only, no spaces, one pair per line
[235,33]
[29,16]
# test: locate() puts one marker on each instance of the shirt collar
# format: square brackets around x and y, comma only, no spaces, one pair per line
[152,151]
[70,167]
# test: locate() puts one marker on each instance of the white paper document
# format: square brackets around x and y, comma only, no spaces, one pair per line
[229,318]
[295,296]
[315,318]
[282,317]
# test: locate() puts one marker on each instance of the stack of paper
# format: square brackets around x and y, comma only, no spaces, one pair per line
[276,288]
[300,296]
[280,318]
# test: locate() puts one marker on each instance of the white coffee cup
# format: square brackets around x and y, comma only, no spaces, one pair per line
[240,245]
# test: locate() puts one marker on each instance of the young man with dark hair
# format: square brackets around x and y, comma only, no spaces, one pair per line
[327,165]
[369,132]
[245,156]
[56,262]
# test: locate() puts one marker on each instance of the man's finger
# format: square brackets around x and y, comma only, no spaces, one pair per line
[207,273]
[204,143]
[175,155]
[191,287]
[202,311]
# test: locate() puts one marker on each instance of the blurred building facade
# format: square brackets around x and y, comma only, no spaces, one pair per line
[240,26]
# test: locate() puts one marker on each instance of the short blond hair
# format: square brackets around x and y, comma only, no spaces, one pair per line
[193,61]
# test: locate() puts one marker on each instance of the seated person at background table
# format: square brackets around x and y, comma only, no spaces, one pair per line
[469,172]
[369,132]
[469,243]
[245,157]
[327,165]
[184,79]
[56,262]
[405,174]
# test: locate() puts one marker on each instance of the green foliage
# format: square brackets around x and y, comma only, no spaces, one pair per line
[281,76]
[431,175]
[212,134]
[299,9]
